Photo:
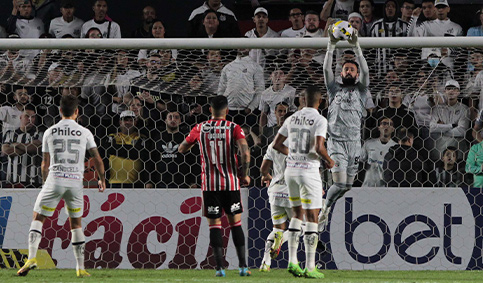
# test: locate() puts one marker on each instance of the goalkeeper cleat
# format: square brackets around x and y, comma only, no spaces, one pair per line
[277,244]
[244,271]
[220,273]
[295,269]
[82,273]
[29,265]
[314,274]
[264,267]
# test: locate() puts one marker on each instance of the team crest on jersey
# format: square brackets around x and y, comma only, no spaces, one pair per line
[206,128]
[222,18]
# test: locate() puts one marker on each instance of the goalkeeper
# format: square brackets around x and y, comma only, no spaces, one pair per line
[346,108]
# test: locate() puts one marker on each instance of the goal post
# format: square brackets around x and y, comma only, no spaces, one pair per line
[152,217]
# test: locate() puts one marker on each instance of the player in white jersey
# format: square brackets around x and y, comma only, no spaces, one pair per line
[306,132]
[346,110]
[63,147]
[280,207]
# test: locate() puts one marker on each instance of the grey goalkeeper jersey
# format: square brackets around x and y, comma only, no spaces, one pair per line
[346,109]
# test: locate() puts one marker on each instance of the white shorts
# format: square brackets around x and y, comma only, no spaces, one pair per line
[304,190]
[280,214]
[346,156]
[50,196]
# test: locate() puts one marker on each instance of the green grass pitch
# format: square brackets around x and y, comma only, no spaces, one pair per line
[275,276]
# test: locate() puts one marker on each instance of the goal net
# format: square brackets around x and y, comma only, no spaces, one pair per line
[152,219]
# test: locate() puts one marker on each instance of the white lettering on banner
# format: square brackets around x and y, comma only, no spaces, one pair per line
[402,229]
[126,229]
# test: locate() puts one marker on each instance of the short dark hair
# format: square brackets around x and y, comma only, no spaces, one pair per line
[68,105]
[219,102]
[426,1]
[312,94]
[208,12]
[408,1]
[452,148]
[371,1]
[404,135]
[382,119]
[30,107]
[311,12]
[350,62]
[283,103]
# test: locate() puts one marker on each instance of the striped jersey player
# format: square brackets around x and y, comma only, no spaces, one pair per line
[218,140]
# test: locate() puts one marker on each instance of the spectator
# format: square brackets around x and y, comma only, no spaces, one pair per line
[401,166]
[242,83]
[127,157]
[430,13]
[68,23]
[144,31]
[212,71]
[15,63]
[123,73]
[478,30]
[312,23]
[261,30]
[442,26]
[447,173]
[10,115]
[305,68]
[478,126]
[157,85]
[449,122]
[339,9]
[474,164]
[144,123]
[355,19]
[281,112]
[296,17]
[396,111]
[278,92]
[157,31]
[21,155]
[389,26]
[179,170]
[108,27]
[366,8]
[22,23]
[211,24]
[373,152]
[228,21]
[407,9]
[46,10]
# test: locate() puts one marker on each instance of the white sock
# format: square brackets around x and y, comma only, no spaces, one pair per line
[35,235]
[310,241]
[285,236]
[78,245]
[268,245]
[293,239]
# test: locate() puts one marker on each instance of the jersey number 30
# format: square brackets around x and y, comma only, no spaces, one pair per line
[301,140]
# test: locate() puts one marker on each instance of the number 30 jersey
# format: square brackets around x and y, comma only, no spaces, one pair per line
[66,142]
[301,130]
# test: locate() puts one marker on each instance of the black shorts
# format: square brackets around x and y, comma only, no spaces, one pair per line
[215,201]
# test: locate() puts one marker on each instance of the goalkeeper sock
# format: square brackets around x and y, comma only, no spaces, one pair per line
[239,241]
[268,245]
[35,235]
[78,245]
[216,243]
[293,239]
[310,241]
[333,194]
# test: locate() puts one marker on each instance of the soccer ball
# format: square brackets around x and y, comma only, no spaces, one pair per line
[342,30]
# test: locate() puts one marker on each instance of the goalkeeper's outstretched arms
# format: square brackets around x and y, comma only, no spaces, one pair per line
[364,68]
[329,56]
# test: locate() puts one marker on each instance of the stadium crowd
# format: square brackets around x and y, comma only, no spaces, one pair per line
[422,126]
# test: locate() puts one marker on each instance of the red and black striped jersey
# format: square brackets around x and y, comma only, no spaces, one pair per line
[219,162]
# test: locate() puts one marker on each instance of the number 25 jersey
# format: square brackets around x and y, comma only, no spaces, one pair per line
[66,142]
[301,130]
